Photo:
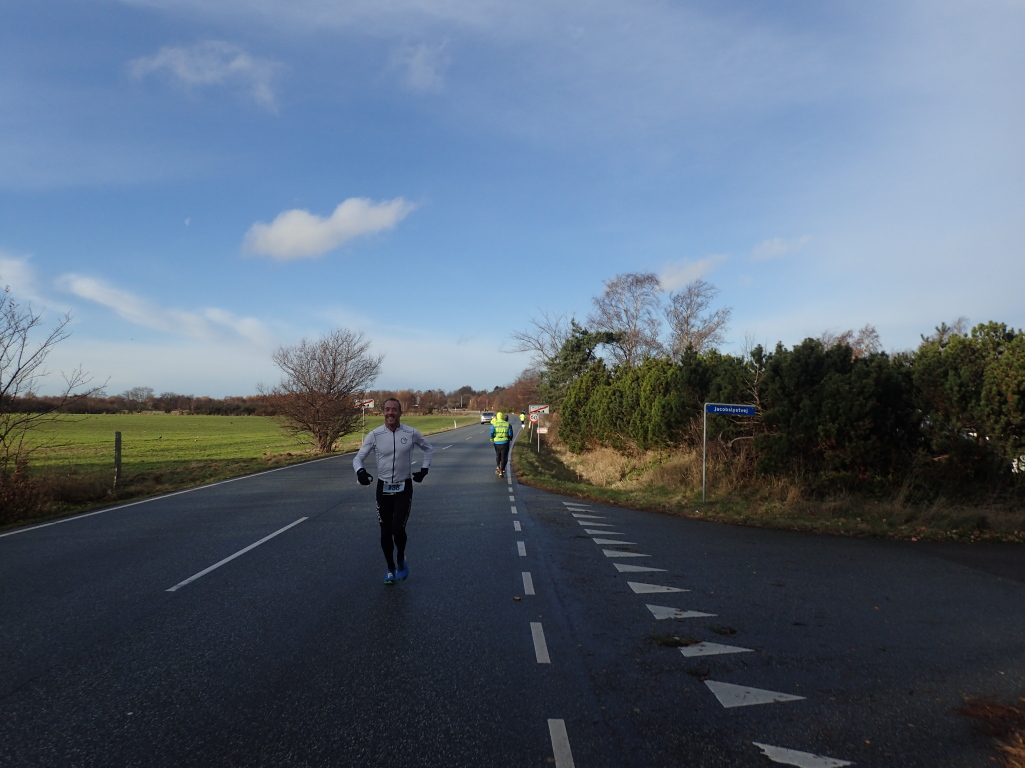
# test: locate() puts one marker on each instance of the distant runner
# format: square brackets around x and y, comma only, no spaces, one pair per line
[392,444]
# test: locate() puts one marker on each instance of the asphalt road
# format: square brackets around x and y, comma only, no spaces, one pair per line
[520,639]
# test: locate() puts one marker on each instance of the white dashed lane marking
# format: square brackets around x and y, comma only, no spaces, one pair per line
[522,548]
[528,583]
[560,744]
[712,649]
[800,759]
[516,525]
[603,533]
[540,647]
[640,588]
[514,510]
[588,522]
[730,695]
[665,612]
[624,568]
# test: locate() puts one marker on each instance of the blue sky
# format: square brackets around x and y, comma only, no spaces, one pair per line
[201,181]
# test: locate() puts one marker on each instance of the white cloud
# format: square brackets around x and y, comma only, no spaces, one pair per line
[17,274]
[777,247]
[212,63]
[298,234]
[674,276]
[207,325]
[422,66]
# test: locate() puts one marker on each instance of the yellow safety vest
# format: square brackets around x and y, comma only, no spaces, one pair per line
[502,431]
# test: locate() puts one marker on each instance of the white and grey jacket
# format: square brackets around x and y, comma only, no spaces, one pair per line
[394,452]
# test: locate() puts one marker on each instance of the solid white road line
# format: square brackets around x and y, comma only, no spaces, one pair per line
[560,744]
[540,647]
[516,525]
[165,496]
[730,695]
[522,548]
[241,552]
[800,759]
[528,583]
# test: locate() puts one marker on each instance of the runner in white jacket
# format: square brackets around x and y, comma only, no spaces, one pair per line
[392,445]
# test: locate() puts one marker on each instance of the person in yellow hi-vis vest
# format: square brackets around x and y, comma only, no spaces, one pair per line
[523,419]
[501,436]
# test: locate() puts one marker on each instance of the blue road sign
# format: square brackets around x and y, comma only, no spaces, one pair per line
[730,410]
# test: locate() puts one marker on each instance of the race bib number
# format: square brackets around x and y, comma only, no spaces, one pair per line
[394,487]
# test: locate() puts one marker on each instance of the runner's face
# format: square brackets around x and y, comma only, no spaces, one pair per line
[392,412]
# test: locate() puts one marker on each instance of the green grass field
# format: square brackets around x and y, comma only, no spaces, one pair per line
[163,452]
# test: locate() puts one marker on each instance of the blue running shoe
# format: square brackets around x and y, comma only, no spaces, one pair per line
[389,578]
[403,571]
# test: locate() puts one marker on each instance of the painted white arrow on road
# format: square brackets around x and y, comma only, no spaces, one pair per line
[617,553]
[730,695]
[712,649]
[624,568]
[641,588]
[800,759]
[665,612]
[614,543]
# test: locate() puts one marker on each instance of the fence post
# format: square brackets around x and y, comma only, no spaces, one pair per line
[117,460]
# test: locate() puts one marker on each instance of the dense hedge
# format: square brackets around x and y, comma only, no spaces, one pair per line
[954,409]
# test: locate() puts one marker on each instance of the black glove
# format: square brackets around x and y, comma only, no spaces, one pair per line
[419,475]
[364,477]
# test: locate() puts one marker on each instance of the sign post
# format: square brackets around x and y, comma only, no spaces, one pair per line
[534,414]
[364,404]
[723,409]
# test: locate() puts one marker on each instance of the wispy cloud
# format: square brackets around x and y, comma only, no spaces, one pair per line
[212,63]
[777,247]
[422,67]
[675,276]
[17,274]
[207,325]
[298,234]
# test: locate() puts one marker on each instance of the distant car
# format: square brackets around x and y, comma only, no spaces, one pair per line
[486,417]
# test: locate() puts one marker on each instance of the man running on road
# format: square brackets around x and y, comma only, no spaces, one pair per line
[392,444]
[501,436]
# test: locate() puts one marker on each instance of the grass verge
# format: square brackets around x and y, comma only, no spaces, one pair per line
[72,464]
[670,482]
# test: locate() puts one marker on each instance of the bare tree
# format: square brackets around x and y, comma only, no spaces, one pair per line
[629,307]
[137,399]
[317,397]
[863,343]
[22,367]
[544,338]
[690,322]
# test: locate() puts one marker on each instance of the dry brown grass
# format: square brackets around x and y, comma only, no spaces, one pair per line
[1004,723]
[670,481]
